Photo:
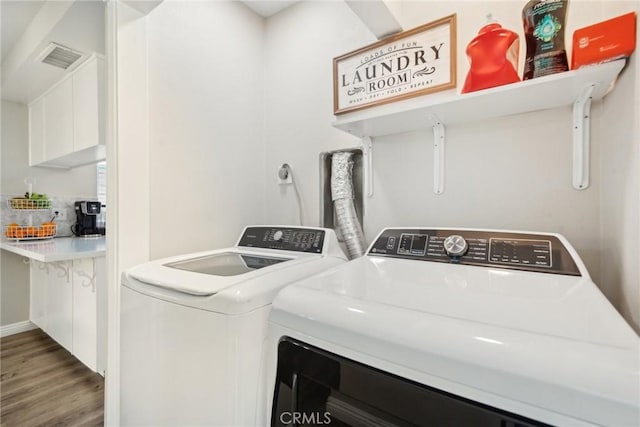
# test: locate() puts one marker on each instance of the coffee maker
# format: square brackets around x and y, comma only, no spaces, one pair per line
[90,219]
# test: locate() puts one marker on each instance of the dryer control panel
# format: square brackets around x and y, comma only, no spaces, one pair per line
[296,239]
[517,251]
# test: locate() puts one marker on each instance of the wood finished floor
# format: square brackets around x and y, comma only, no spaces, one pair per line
[42,384]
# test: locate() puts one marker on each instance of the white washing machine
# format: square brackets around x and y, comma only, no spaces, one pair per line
[193,327]
[452,327]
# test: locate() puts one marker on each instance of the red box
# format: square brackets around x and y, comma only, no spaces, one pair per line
[605,41]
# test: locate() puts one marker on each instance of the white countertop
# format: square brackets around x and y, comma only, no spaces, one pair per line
[58,249]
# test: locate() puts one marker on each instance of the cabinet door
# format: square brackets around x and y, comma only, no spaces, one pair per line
[36,132]
[58,120]
[87,105]
[38,295]
[101,305]
[85,312]
[59,304]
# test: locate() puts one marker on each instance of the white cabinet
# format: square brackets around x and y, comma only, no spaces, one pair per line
[36,132]
[68,302]
[58,122]
[84,313]
[88,109]
[59,305]
[38,296]
[67,124]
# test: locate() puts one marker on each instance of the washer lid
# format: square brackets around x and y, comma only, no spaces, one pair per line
[226,263]
[207,273]
[261,250]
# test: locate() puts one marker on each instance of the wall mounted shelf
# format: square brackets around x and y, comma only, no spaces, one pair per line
[577,88]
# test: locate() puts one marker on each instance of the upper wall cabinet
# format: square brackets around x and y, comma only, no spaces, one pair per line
[58,121]
[66,123]
[88,99]
[36,132]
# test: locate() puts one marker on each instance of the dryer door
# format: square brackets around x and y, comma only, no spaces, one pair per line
[315,387]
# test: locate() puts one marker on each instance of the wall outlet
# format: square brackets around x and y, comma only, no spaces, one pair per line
[284,175]
[61,214]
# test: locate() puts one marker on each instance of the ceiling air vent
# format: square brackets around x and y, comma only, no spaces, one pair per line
[59,56]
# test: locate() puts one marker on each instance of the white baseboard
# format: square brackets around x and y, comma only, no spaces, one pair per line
[16,328]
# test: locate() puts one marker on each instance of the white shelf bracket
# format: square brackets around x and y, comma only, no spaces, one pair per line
[438,156]
[63,269]
[89,279]
[43,266]
[367,151]
[581,137]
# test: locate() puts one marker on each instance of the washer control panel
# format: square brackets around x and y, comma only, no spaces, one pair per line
[517,251]
[286,239]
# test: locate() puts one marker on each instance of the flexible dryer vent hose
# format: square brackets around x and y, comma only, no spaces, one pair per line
[342,196]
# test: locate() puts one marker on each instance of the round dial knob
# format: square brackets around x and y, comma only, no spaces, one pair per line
[278,235]
[455,245]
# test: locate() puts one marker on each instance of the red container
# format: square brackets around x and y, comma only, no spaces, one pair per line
[493,55]
[605,41]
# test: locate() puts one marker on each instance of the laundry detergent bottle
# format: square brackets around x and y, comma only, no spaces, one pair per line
[493,55]
[544,23]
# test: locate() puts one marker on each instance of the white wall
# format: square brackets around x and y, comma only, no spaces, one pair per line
[206,123]
[130,159]
[81,182]
[128,173]
[619,174]
[512,172]
[299,44]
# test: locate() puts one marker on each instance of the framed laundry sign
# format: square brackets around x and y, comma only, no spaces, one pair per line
[412,63]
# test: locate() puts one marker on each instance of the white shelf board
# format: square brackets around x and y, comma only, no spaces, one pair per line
[542,93]
[58,249]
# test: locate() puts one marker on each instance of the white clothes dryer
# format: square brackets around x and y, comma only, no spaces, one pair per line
[193,326]
[452,327]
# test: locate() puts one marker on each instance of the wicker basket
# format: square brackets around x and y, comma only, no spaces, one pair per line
[29,204]
[27,232]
